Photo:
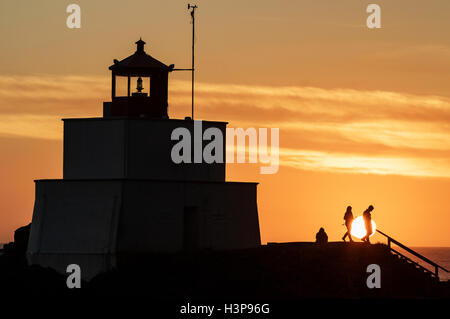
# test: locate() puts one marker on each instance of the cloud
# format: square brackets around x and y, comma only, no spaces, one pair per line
[52,95]
[340,130]
[350,163]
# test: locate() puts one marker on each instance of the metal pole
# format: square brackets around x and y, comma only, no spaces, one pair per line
[193,52]
[193,7]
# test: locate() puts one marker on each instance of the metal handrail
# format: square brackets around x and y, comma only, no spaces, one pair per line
[413,262]
[412,252]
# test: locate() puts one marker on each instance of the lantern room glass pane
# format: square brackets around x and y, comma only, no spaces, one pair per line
[145,84]
[121,86]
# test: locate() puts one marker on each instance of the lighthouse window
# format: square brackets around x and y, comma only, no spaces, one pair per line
[122,85]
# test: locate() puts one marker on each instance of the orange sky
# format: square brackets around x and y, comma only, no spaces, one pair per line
[364,115]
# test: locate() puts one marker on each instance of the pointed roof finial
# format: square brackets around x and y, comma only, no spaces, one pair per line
[140,45]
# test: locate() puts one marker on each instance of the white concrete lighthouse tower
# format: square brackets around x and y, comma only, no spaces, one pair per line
[122,194]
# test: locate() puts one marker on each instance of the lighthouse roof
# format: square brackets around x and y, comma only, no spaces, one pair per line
[139,63]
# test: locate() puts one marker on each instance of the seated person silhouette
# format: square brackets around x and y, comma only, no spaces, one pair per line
[321,236]
[348,217]
[367,216]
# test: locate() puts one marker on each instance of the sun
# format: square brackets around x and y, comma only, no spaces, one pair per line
[359,229]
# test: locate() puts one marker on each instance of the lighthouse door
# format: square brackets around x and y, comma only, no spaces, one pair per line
[191,228]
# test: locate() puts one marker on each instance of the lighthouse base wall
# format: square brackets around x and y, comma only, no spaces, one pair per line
[91,222]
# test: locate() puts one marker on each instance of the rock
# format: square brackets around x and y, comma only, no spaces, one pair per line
[21,236]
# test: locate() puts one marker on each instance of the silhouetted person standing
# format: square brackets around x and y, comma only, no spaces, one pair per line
[348,217]
[321,236]
[367,216]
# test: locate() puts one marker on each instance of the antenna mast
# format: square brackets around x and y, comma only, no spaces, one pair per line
[192,8]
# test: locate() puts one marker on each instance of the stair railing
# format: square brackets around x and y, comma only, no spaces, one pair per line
[391,241]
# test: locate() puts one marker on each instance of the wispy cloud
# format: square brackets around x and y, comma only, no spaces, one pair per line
[354,163]
[340,130]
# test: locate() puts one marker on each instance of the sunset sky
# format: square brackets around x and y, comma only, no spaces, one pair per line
[364,114]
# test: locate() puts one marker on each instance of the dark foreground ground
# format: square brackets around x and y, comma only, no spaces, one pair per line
[273,272]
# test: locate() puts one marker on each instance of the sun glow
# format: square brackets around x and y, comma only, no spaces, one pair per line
[359,229]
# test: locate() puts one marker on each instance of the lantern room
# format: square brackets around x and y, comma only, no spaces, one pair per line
[138,86]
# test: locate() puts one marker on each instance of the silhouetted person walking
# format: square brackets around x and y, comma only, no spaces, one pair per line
[348,217]
[321,236]
[367,216]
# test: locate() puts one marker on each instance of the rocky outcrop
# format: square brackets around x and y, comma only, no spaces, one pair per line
[20,243]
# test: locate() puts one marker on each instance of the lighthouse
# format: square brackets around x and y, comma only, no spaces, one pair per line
[122,194]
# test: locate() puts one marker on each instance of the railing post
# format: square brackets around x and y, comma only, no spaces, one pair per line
[436,271]
[389,242]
